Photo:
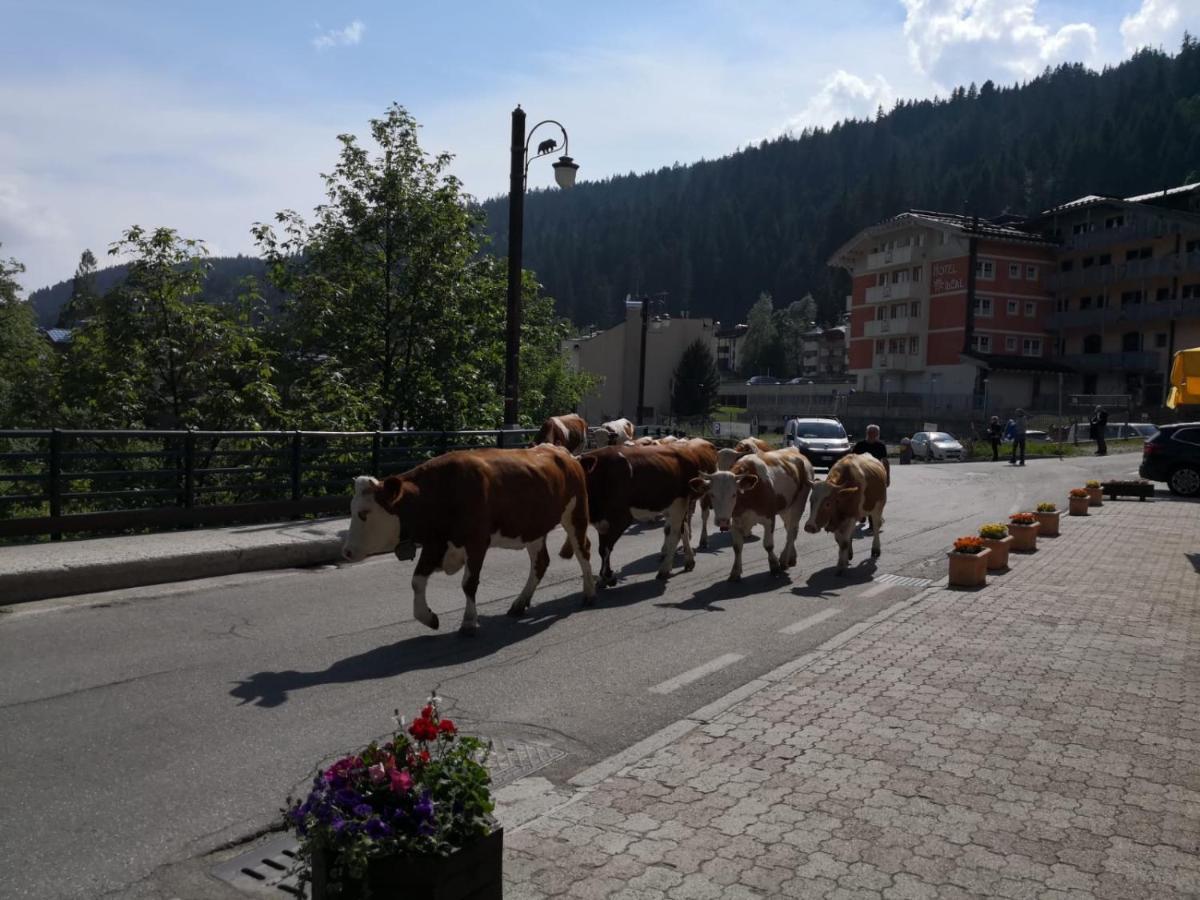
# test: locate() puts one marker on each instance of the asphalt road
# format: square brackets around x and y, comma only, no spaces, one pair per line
[142,729]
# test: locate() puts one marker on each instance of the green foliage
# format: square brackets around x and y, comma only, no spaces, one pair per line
[697,381]
[27,362]
[150,355]
[1047,507]
[762,348]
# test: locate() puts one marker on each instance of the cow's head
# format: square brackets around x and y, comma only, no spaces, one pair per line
[723,489]
[824,502]
[374,523]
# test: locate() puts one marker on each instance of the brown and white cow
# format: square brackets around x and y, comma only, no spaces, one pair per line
[759,487]
[631,483]
[458,505]
[568,431]
[752,445]
[856,486]
[618,431]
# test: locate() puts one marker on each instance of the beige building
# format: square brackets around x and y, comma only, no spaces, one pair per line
[615,355]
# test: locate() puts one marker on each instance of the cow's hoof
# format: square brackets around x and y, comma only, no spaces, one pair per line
[589,599]
[703,543]
[517,610]
[875,554]
[776,570]
[840,571]
[663,576]
[433,621]
[689,565]
[468,629]
[735,577]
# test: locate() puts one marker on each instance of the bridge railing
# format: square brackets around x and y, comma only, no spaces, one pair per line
[60,481]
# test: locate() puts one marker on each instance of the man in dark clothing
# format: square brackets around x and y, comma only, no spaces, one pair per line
[877,448]
[1099,423]
[1020,424]
[994,432]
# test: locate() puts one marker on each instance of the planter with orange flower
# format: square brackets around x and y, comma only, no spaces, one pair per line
[1023,527]
[1078,502]
[1095,493]
[997,540]
[1047,516]
[968,562]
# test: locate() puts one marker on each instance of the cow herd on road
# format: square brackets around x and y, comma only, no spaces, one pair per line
[456,506]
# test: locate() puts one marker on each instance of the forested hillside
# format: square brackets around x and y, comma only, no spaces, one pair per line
[717,233]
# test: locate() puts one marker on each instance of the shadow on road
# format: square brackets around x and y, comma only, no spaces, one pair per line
[826,582]
[706,598]
[1194,559]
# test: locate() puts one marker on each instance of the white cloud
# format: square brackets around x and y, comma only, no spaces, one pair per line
[1159,23]
[956,41]
[341,37]
[842,96]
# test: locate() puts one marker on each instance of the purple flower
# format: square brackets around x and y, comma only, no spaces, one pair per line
[347,798]
[378,829]
[338,824]
[362,810]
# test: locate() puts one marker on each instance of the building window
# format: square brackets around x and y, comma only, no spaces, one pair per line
[896,345]
[1131,341]
[1014,270]
[1066,265]
[1031,347]
[914,309]
[1092,343]
[983,307]
[1101,302]
[1012,307]
[1191,290]
[879,345]
[1031,273]
[881,278]
[1030,308]
[916,273]
[1139,253]
[1088,262]
[981,343]
[1010,344]
[1085,302]
[1114,221]
[914,345]
[1192,246]
[1162,294]
[1079,228]
[1160,339]
[1129,298]
[881,313]
[898,311]
[1106,259]
[985,269]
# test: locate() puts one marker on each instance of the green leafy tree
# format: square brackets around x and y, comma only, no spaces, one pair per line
[762,348]
[83,292]
[393,317]
[152,355]
[697,381]
[27,361]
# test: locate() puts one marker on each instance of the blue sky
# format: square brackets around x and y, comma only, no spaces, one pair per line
[212,116]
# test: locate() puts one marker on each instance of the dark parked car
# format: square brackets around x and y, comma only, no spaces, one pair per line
[763,379]
[1173,456]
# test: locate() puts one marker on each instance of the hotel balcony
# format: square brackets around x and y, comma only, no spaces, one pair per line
[1135,231]
[899,362]
[1132,313]
[1128,361]
[1133,270]
[883,327]
[897,257]
[901,291]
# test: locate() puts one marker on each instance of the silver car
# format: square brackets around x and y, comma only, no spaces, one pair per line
[931,445]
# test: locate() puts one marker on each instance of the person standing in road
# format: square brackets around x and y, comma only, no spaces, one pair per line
[995,433]
[1019,425]
[877,448]
[1099,423]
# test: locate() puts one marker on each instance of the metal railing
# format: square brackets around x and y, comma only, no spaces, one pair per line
[55,482]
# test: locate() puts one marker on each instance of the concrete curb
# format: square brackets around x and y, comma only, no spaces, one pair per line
[45,571]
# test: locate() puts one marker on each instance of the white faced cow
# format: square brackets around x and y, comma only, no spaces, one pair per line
[458,505]
[618,431]
[568,431]
[756,489]
[855,487]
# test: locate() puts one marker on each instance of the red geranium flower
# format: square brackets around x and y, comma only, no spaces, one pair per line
[446,726]
[423,730]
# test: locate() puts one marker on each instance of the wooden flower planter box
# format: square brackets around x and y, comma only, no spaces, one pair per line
[1078,506]
[968,569]
[1024,537]
[997,552]
[1140,489]
[1048,523]
[473,872]
[1095,496]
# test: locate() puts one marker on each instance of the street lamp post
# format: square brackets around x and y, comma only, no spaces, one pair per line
[564,175]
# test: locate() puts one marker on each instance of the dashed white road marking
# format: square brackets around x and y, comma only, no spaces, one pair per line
[814,619]
[715,665]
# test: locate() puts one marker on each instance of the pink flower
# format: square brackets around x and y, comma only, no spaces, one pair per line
[401,781]
[377,773]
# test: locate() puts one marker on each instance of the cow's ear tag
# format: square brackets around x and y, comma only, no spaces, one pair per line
[406,550]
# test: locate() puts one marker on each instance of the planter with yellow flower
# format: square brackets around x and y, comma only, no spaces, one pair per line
[1095,493]
[997,540]
[968,562]
[1047,516]
[1023,527]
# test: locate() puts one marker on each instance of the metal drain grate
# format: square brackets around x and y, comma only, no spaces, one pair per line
[266,870]
[903,581]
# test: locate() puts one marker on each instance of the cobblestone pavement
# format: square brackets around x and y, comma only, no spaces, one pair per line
[1039,738]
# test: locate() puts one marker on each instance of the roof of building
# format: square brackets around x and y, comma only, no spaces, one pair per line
[58,335]
[1002,228]
[1001,362]
[1112,200]
[732,331]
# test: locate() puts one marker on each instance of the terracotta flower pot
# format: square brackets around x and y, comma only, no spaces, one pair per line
[968,569]
[998,552]
[1048,523]
[1095,496]
[1079,505]
[1024,536]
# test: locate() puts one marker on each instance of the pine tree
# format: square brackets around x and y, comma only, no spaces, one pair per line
[697,381]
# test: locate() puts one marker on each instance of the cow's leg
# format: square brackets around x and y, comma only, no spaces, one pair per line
[539,559]
[791,522]
[705,509]
[608,541]
[689,555]
[845,542]
[430,561]
[876,516]
[735,532]
[769,544]
[675,516]
[470,584]
[575,523]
